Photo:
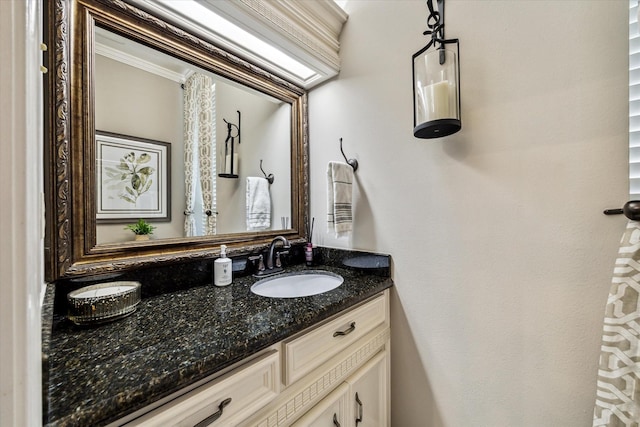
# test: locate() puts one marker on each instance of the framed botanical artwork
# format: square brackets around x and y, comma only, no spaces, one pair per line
[133,178]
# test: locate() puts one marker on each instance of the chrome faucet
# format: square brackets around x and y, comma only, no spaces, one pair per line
[272,250]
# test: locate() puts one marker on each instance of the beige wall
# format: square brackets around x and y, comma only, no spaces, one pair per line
[502,256]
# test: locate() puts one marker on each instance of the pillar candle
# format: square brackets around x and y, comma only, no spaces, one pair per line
[437,100]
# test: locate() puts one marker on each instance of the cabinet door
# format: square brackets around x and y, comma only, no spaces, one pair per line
[369,394]
[333,411]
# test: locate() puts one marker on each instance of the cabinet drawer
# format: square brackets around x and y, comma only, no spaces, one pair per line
[307,352]
[243,391]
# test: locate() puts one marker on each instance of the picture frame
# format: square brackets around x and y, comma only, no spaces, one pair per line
[133,177]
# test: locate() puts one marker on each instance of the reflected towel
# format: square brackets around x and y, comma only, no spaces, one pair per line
[258,204]
[339,198]
[618,392]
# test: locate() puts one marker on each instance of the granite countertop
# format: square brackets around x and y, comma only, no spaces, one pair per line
[99,374]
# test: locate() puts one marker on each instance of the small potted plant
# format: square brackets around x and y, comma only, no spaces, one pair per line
[142,229]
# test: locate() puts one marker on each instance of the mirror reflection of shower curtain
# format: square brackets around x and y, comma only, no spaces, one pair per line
[199,155]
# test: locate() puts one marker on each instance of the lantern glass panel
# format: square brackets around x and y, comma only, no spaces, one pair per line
[436,92]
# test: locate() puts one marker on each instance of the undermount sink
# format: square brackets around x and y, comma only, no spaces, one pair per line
[299,284]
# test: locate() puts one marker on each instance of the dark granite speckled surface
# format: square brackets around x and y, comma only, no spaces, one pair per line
[47,327]
[99,374]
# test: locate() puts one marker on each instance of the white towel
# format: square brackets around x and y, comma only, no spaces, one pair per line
[258,204]
[339,196]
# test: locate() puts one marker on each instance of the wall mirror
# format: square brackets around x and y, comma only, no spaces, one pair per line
[146,120]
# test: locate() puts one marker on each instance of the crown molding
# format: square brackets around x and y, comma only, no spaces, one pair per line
[313,26]
[307,31]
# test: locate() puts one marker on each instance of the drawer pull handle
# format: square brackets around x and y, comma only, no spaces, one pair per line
[335,420]
[347,331]
[213,417]
[360,409]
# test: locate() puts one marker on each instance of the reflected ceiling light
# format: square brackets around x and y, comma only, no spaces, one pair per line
[436,81]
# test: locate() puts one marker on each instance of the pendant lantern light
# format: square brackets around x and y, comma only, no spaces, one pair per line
[436,81]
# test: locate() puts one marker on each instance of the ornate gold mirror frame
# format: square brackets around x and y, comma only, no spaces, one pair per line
[70,244]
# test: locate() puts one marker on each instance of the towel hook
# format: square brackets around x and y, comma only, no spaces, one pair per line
[269,177]
[351,162]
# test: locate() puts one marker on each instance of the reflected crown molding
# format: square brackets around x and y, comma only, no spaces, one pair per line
[128,59]
[306,31]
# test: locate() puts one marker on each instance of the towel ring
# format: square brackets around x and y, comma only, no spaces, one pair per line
[351,162]
[269,177]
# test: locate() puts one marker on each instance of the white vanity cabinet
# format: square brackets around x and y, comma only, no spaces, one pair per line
[308,350]
[223,401]
[333,410]
[361,401]
[369,393]
[324,368]
[310,379]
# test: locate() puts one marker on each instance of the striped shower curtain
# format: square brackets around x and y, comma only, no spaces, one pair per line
[618,392]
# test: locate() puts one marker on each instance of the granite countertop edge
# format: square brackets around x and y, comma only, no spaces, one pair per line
[137,388]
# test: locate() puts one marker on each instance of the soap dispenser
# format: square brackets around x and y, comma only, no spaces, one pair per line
[222,269]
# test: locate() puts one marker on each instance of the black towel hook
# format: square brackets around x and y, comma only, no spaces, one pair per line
[269,177]
[631,210]
[351,162]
